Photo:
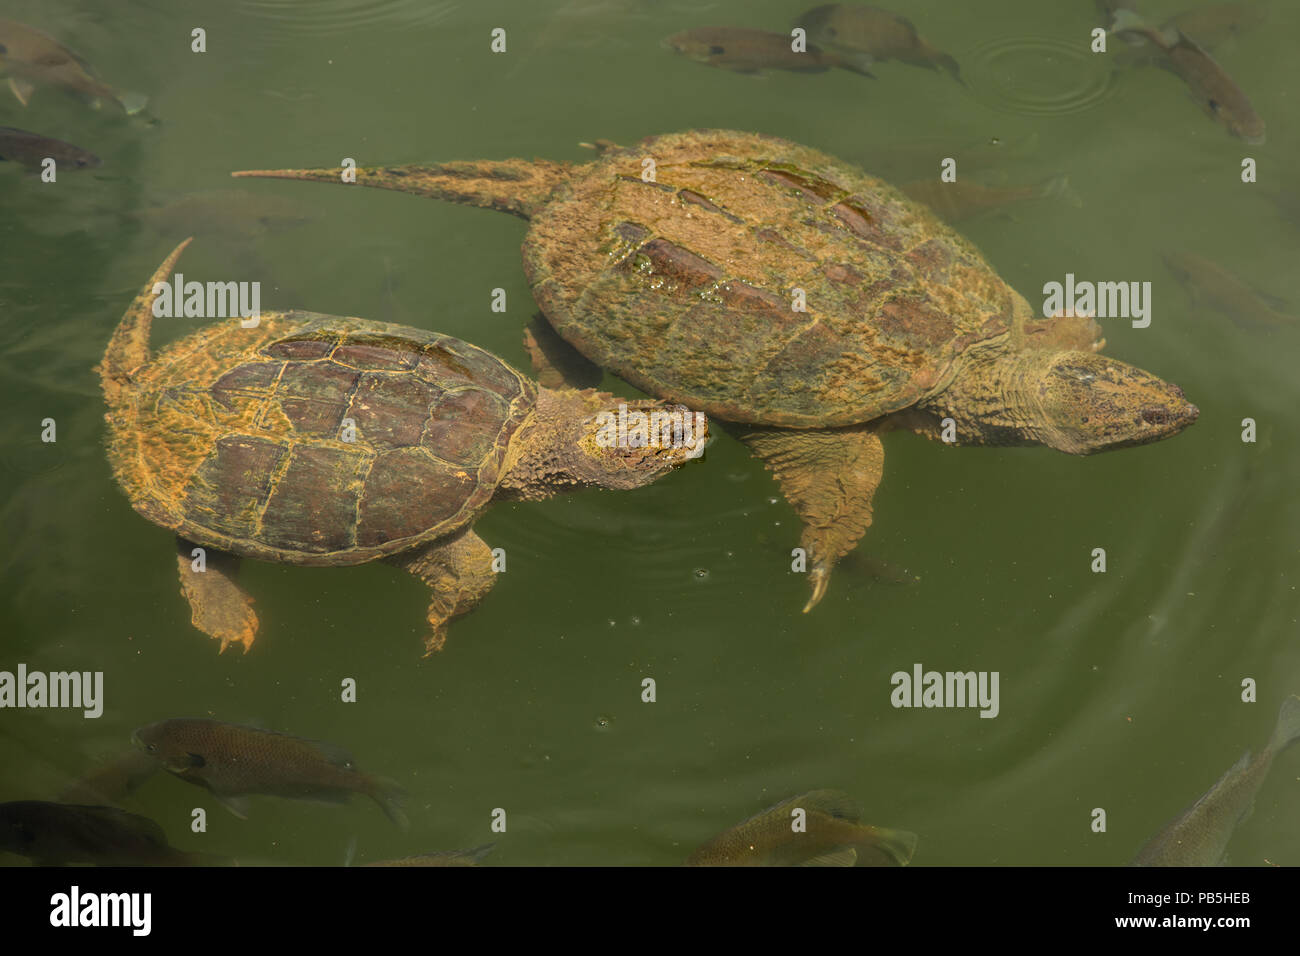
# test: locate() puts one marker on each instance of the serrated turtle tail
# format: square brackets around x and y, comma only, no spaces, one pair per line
[517,186]
[128,349]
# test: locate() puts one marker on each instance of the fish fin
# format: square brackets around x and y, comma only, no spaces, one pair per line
[132,103]
[900,845]
[1276,301]
[841,856]
[1287,730]
[854,62]
[833,803]
[389,796]
[22,89]
[336,755]
[238,805]
[1058,187]
[949,64]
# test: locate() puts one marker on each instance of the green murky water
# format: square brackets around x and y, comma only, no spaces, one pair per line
[1118,690]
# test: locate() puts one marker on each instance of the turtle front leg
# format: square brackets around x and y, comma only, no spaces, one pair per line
[218,606]
[458,572]
[829,476]
[556,363]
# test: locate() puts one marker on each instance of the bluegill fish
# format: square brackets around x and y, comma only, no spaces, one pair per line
[32,149]
[31,58]
[752,51]
[1199,835]
[58,834]
[1223,291]
[232,762]
[833,837]
[1219,95]
[956,201]
[874,33]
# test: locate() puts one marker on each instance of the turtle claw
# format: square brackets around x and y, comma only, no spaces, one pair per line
[218,606]
[435,641]
[820,578]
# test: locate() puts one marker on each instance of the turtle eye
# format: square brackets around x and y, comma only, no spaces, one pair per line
[1214,105]
[717,50]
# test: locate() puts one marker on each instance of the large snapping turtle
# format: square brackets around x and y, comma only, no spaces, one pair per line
[809,305]
[318,440]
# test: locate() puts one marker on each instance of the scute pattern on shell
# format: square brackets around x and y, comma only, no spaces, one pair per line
[234,437]
[683,286]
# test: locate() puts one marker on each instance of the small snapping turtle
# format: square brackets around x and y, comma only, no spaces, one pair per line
[317,440]
[809,305]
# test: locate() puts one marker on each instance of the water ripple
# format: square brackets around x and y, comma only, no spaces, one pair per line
[325,17]
[1037,76]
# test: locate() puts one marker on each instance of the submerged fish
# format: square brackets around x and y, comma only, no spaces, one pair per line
[56,834]
[878,34]
[225,213]
[31,58]
[1212,24]
[1217,93]
[234,762]
[833,837]
[903,161]
[955,201]
[1225,292]
[112,781]
[32,149]
[752,51]
[442,858]
[1199,835]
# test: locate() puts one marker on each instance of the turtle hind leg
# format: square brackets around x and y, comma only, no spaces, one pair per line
[556,363]
[458,572]
[829,476]
[218,606]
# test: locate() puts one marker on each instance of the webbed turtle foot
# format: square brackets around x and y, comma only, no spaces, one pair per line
[218,606]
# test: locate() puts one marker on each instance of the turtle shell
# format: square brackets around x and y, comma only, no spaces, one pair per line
[685,285]
[239,438]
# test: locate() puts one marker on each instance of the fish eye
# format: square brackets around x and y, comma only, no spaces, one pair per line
[152,748]
[717,50]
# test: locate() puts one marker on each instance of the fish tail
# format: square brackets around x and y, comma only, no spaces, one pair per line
[1287,730]
[132,103]
[517,186]
[389,796]
[949,64]
[1058,187]
[899,844]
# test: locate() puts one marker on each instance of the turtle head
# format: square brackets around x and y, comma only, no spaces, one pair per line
[1082,403]
[594,439]
[622,444]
